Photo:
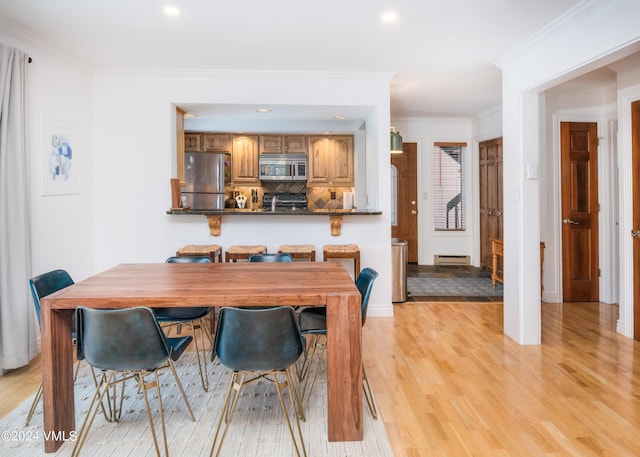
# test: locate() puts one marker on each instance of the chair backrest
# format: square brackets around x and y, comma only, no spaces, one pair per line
[364,283]
[258,339]
[46,284]
[189,259]
[121,339]
[280,257]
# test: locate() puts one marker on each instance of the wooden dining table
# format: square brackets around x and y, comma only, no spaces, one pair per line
[210,285]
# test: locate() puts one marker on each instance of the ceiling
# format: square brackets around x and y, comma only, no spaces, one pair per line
[442,52]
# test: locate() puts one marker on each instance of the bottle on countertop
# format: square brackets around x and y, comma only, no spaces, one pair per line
[333,203]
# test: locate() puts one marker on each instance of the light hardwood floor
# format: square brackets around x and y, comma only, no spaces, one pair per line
[449,383]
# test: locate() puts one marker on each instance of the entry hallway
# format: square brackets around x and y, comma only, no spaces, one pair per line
[449,383]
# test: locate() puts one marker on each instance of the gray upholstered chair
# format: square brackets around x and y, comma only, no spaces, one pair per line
[41,286]
[259,344]
[124,344]
[280,257]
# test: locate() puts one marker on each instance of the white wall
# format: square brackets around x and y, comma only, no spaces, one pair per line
[62,225]
[425,132]
[566,49]
[134,121]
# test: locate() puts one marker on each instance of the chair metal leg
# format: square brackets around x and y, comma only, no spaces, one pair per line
[146,386]
[318,355]
[202,358]
[238,380]
[279,387]
[184,395]
[38,396]
[368,395]
[102,388]
[228,408]
[34,405]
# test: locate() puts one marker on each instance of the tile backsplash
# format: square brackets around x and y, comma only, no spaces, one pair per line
[317,197]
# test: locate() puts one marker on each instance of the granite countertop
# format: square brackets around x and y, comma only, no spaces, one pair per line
[277,212]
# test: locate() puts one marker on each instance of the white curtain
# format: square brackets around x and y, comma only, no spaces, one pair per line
[17,318]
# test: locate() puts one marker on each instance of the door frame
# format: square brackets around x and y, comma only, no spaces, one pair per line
[625,324]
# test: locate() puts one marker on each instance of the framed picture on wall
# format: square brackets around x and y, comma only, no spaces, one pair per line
[59,157]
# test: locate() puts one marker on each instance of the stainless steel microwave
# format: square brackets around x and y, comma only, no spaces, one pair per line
[283,167]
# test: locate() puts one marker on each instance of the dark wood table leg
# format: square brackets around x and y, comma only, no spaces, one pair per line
[57,377]
[344,368]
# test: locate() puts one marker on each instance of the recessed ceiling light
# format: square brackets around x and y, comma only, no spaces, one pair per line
[190,115]
[263,110]
[338,117]
[390,16]
[170,10]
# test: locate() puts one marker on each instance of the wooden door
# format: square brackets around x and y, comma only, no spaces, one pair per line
[579,174]
[635,171]
[407,198]
[491,212]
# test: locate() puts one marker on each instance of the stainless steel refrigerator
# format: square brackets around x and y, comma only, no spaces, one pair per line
[206,174]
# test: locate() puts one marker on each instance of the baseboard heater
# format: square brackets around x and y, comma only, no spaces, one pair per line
[451,260]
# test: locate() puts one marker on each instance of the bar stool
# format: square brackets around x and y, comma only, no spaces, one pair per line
[343,251]
[299,251]
[243,252]
[213,251]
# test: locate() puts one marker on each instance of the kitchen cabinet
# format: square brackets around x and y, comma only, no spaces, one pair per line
[295,143]
[331,160]
[192,142]
[206,142]
[215,142]
[278,144]
[244,160]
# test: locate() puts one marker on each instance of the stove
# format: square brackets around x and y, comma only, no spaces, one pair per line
[285,200]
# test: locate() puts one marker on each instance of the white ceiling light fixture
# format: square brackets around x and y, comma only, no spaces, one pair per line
[171,10]
[389,16]
[263,110]
[338,117]
[190,116]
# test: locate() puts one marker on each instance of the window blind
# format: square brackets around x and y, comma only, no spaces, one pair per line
[449,178]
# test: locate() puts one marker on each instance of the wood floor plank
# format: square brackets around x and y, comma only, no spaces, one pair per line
[448,382]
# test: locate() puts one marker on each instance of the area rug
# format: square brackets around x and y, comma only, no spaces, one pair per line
[453,287]
[258,427]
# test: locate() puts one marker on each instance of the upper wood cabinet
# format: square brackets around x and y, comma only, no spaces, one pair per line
[207,142]
[215,142]
[331,160]
[192,142]
[278,144]
[244,159]
[295,143]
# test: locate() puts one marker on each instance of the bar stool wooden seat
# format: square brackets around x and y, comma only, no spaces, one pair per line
[243,252]
[343,251]
[213,251]
[299,251]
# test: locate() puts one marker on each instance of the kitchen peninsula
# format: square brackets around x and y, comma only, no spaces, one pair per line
[214,217]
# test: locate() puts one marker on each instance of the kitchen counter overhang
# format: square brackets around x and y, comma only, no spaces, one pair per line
[214,217]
